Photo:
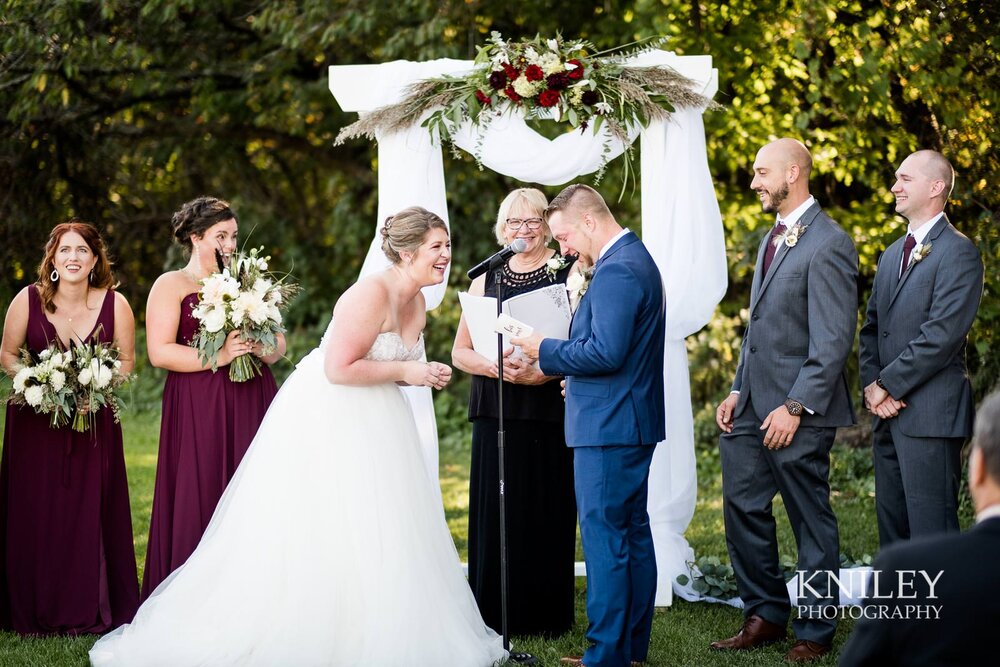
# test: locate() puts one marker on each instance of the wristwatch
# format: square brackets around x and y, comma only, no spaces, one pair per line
[879,383]
[794,407]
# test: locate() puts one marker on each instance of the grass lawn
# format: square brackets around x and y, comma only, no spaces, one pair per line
[681,633]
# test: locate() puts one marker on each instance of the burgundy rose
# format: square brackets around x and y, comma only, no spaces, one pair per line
[498,80]
[590,97]
[483,98]
[511,94]
[549,98]
[510,71]
[577,72]
[558,80]
[534,73]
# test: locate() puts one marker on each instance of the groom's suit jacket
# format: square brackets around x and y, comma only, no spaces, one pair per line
[915,330]
[613,360]
[803,314]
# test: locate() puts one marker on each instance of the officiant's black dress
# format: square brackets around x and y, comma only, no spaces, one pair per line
[541,506]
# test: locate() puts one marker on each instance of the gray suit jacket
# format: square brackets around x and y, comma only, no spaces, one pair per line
[803,314]
[915,330]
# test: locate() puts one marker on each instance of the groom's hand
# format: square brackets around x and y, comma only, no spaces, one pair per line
[529,345]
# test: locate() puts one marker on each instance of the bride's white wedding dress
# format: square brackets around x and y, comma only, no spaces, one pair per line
[328,548]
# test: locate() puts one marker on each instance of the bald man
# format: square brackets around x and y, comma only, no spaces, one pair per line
[924,300]
[789,396]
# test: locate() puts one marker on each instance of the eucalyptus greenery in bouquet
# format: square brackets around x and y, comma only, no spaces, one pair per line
[244,297]
[97,381]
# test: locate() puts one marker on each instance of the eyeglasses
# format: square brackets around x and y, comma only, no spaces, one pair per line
[515,224]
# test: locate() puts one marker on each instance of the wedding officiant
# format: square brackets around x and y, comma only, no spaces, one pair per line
[540,503]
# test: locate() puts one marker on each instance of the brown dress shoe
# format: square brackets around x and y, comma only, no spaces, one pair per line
[755,632]
[806,651]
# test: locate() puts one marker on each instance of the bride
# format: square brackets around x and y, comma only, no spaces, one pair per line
[328,547]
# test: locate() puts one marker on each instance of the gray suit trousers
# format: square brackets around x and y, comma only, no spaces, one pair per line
[916,483]
[752,475]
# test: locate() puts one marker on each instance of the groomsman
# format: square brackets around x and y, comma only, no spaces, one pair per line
[923,303]
[789,396]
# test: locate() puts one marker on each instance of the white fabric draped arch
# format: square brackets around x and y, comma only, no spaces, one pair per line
[681,226]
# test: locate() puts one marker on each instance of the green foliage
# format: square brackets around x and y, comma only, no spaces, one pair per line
[710,576]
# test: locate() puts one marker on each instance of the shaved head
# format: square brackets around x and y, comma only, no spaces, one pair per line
[936,167]
[791,152]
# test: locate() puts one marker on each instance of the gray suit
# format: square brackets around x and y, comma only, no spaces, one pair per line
[914,339]
[803,314]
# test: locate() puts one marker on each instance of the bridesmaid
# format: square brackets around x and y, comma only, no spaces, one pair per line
[67,564]
[208,421]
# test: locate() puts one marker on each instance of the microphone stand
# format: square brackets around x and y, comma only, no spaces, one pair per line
[515,657]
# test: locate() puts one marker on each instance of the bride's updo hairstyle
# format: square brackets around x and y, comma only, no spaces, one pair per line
[197,217]
[405,231]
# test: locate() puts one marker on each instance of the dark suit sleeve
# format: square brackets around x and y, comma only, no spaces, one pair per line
[615,298]
[871,641]
[958,288]
[868,338]
[833,317]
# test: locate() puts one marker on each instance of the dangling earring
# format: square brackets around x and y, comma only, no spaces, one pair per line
[91,279]
[54,276]
[197,257]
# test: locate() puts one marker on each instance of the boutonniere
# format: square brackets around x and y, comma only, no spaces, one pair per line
[920,251]
[791,235]
[555,264]
[577,285]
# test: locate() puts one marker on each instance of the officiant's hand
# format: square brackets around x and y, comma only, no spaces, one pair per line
[529,345]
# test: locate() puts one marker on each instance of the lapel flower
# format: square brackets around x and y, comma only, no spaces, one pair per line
[555,264]
[791,235]
[577,285]
[920,251]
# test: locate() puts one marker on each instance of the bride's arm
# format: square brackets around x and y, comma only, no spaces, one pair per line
[358,318]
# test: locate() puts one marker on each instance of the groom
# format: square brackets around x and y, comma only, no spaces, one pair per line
[613,363]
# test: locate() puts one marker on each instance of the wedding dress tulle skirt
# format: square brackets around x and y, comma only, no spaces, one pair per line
[328,548]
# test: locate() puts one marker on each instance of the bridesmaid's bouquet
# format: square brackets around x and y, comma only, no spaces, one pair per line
[46,384]
[244,297]
[97,381]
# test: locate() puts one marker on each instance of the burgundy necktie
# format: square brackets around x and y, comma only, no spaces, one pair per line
[908,245]
[772,245]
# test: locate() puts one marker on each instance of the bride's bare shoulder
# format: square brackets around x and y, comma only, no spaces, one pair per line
[368,293]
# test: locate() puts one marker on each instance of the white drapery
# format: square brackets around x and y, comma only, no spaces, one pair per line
[681,226]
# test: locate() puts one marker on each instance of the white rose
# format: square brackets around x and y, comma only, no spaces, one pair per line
[551,63]
[102,378]
[214,319]
[85,377]
[34,395]
[21,378]
[555,263]
[57,380]
[45,354]
[253,305]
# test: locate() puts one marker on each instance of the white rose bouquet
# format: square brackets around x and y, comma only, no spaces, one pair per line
[46,384]
[98,380]
[244,297]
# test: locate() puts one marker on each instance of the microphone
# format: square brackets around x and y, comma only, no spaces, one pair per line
[495,260]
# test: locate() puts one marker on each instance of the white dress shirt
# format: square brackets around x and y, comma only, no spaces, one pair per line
[614,240]
[919,234]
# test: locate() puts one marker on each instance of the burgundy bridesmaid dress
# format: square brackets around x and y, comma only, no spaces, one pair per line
[208,422]
[67,559]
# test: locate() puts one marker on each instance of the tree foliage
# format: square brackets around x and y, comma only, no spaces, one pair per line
[121,110]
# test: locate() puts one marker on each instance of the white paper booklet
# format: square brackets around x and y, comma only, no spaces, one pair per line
[545,310]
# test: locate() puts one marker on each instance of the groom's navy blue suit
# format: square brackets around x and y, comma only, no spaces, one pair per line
[613,363]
